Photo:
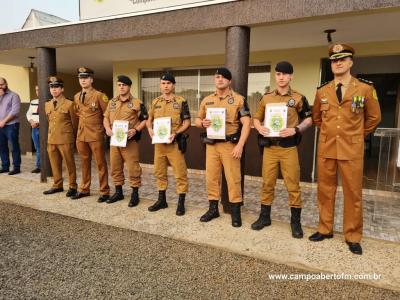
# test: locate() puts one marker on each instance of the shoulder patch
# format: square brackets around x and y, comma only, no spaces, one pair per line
[365,81]
[105,98]
[325,83]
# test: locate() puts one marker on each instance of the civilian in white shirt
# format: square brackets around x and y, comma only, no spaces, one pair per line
[33,118]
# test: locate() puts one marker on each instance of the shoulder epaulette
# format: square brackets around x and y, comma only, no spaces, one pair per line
[365,81]
[325,83]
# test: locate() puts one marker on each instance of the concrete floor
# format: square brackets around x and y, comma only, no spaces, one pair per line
[381,209]
[273,244]
[48,256]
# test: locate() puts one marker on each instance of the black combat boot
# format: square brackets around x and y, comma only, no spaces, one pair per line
[118,195]
[211,213]
[235,215]
[297,231]
[180,209]
[134,197]
[264,219]
[160,203]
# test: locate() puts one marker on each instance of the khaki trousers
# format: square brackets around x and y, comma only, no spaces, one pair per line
[351,172]
[219,156]
[287,160]
[128,155]
[169,153]
[96,149]
[57,154]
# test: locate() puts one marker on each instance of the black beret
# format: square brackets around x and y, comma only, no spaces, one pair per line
[168,77]
[124,79]
[224,72]
[284,67]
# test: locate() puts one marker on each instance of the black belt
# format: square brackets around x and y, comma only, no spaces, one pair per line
[281,142]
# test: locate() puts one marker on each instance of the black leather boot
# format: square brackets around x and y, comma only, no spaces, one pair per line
[235,215]
[118,195]
[297,231]
[134,197]
[160,203]
[211,213]
[103,198]
[264,219]
[180,209]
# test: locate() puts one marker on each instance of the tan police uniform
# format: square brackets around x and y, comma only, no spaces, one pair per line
[278,155]
[90,107]
[128,110]
[219,155]
[343,127]
[61,139]
[176,108]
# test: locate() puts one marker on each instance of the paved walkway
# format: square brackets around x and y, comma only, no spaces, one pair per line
[48,256]
[381,212]
[273,244]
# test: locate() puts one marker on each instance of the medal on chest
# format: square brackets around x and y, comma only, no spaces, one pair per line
[130,105]
[357,103]
[231,100]
[93,106]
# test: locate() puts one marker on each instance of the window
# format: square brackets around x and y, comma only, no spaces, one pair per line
[195,84]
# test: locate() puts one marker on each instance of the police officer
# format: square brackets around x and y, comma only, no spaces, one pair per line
[61,137]
[125,108]
[225,153]
[175,107]
[90,106]
[281,152]
[346,110]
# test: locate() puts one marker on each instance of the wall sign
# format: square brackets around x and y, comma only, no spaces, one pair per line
[93,9]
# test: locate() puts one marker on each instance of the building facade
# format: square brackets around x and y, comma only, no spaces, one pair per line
[141,39]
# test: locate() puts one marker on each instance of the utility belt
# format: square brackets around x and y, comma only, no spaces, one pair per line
[136,137]
[181,140]
[287,142]
[233,138]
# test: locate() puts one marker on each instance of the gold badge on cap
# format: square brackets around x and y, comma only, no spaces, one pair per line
[82,70]
[337,48]
[52,79]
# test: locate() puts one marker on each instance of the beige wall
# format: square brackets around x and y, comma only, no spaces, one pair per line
[18,80]
[306,62]
[71,85]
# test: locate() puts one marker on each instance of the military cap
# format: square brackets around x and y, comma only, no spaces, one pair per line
[224,72]
[284,67]
[168,77]
[339,51]
[124,79]
[55,81]
[84,72]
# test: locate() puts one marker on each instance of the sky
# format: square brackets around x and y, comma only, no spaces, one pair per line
[13,13]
